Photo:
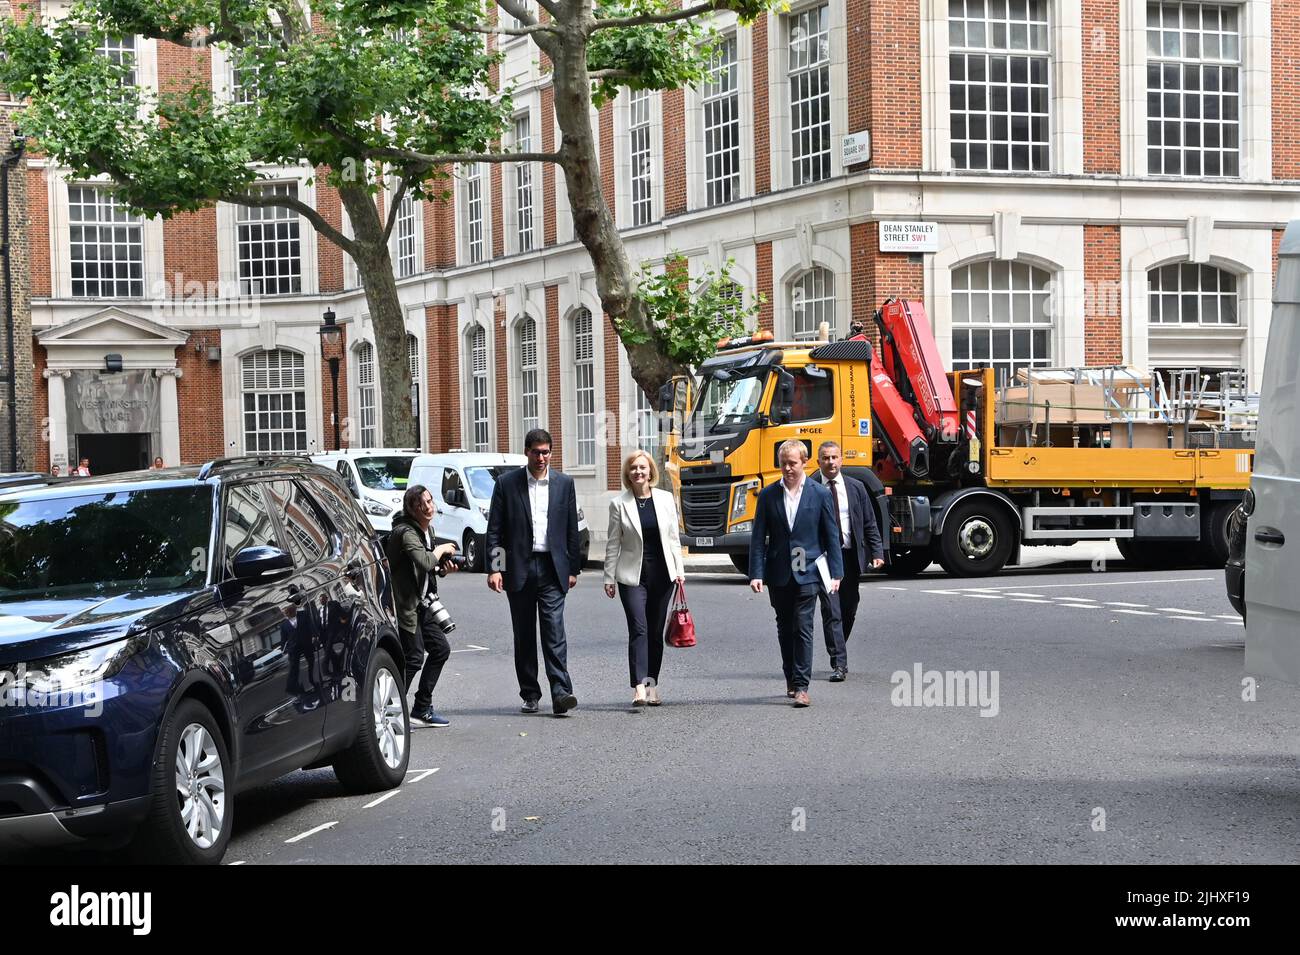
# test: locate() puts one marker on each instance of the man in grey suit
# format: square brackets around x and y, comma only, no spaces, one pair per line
[794,527]
[534,557]
[859,536]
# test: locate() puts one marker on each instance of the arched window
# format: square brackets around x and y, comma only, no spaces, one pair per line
[584,366]
[413,358]
[1002,317]
[1188,294]
[812,301]
[479,389]
[274,396]
[527,332]
[366,395]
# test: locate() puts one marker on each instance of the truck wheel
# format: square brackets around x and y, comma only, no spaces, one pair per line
[740,562]
[473,552]
[1214,534]
[908,563]
[977,539]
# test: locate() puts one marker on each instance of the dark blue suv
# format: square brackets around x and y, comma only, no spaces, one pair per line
[169,638]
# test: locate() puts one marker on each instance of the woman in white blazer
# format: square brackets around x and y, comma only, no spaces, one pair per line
[643,563]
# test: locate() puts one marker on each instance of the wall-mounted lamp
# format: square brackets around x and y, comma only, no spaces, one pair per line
[112,363]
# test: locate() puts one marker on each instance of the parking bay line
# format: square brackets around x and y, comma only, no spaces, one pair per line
[1139,613]
[424,774]
[311,832]
[1181,610]
[1197,619]
[1120,603]
[471,648]
[1029,600]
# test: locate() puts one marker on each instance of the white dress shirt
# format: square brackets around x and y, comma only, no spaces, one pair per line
[842,494]
[792,499]
[539,498]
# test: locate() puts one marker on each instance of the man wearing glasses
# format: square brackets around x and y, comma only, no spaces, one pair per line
[534,557]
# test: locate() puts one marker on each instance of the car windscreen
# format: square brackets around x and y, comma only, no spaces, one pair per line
[100,545]
[483,479]
[385,474]
[730,400]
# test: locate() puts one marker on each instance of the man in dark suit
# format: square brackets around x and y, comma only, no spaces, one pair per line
[794,529]
[859,536]
[534,556]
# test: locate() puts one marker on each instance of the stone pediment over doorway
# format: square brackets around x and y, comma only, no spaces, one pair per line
[83,343]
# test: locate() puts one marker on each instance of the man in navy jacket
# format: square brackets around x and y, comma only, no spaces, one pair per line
[794,528]
[534,557]
[859,536]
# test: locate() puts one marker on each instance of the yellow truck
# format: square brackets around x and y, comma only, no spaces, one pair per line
[963,469]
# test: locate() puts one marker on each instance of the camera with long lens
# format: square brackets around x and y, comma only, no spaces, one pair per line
[441,618]
[451,560]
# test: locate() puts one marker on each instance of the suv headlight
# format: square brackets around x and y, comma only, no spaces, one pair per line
[378,509]
[71,670]
[740,497]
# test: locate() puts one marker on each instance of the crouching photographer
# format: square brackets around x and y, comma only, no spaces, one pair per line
[422,620]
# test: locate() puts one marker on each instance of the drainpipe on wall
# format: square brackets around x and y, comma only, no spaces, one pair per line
[10,160]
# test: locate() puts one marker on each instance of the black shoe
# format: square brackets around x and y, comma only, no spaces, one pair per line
[529,706]
[839,674]
[562,704]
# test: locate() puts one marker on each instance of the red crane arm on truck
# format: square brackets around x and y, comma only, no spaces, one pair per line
[910,394]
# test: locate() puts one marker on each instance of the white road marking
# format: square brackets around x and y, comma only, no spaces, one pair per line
[1120,603]
[1178,610]
[1016,593]
[424,773]
[1108,583]
[1234,623]
[1140,613]
[1081,606]
[1197,619]
[891,588]
[240,862]
[1227,616]
[1082,600]
[984,596]
[1029,600]
[375,802]
[311,832]
[470,648]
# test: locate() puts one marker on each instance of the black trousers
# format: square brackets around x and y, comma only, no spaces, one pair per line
[540,601]
[425,637]
[841,609]
[794,605]
[646,608]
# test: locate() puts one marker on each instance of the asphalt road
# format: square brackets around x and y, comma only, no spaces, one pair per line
[1119,701]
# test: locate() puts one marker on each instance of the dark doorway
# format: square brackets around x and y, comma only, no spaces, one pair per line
[111,453]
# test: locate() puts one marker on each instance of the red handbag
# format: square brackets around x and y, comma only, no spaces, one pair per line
[681,625]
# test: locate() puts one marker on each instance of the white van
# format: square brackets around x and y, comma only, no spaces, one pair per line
[375,476]
[1273,503]
[461,483]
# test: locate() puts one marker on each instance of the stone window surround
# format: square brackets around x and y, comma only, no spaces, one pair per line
[1057,249]
[462,215]
[157,285]
[778,94]
[356,438]
[418,207]
[1256,111]
[238,343]
[514,370]
[794,255]
[579,292]
[623,161]
[529,104]
[1065,72]
[1248,254]
[227,233]
[696,193]
[484,321]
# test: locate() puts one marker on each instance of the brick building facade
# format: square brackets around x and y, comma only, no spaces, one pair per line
[1106,184]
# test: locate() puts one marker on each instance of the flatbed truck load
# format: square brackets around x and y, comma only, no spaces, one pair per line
[960,470]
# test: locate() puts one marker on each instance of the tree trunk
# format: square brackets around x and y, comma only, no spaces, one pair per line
[593,222]
[375,266]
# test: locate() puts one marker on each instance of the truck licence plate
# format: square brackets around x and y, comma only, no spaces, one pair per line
[704,542]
